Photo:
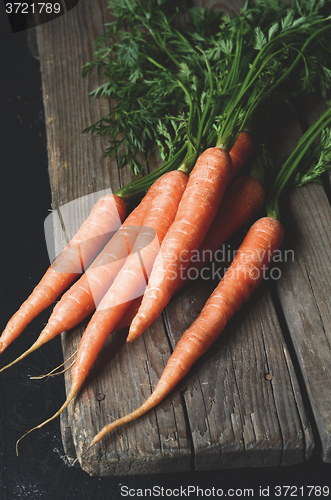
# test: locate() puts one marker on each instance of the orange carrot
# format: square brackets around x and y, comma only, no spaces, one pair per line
[241,202]
[197,209]
[104,219]
[129,314]
[134,273]
[248,191]
[239,282]
[82,297]
[240,153]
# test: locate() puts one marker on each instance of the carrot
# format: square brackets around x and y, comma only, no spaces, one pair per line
[241,202]
[239,282]
[243,276]
[197,209]
[240,153]
[134,274]
[129,314]
[83,296]
[227,221]
[81,299]
[104,219]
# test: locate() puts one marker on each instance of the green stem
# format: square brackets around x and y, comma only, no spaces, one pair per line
[227,135]
[290,166]
[138,187]
[164,48]
[293,65]
[207,106]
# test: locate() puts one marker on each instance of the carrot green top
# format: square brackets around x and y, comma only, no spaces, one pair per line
[308,161]
[187,86]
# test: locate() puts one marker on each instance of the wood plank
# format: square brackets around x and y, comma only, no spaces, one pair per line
[305,294]
[236,416]
[64,46]
[305,285]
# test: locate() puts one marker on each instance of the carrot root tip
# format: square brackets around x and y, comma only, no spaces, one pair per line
[2,347]
[136,329]
[31,349]
[70,397]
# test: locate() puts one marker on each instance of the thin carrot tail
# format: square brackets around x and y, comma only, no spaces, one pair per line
[55,371]
[72,394]
[31,349]
[41,340]
[162,389]
[121,421]
[171,376]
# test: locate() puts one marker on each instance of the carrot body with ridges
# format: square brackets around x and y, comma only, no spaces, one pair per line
[239,282]
[241,202]
[197,209]
[236,209]
[84,296]
[129,281]
[104,219]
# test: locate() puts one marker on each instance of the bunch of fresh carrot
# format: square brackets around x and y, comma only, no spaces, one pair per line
[192,203]
[246,272]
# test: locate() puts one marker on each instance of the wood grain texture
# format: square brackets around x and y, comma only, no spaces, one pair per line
[240,406]
[243,402]
[305,295]
[304,289]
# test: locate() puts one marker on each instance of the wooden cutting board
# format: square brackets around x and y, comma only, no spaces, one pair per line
[245,403]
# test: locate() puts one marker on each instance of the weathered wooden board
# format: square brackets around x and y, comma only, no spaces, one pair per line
[241,405]
[304,290]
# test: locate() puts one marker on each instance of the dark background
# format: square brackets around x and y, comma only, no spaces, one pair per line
[41,470]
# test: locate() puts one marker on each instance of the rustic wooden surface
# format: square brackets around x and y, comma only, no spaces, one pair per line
[244,404]
[304,290]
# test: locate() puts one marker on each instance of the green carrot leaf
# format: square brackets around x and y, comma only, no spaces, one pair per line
[318,162]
